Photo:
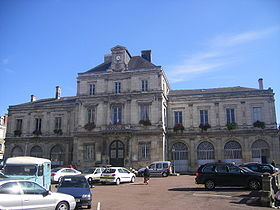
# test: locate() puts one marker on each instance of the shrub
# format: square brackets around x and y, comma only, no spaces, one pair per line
[259,124]
[145,122]
[231,126]
[17,133]
[178,127]
[57,131]
[204,127]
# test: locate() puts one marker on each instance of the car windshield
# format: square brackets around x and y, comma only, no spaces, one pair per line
[88,170]
[55,169]
[109,170]
[20,170]
[74,182]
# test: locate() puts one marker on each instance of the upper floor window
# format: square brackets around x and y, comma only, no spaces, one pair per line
[117,87]
[19,124]
[38,124]
[230,116]
[178,118]
[90,115]
[91,89]
[117,115]
[257,114]
[57,123]
[203,117]
[144,112]
[144,85]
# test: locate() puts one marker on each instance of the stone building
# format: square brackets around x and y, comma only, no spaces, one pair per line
[3,126]
[125,114]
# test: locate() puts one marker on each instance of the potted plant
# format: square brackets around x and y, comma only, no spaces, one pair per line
[259,124]
[231,126]
[17,133]
[204,127]
[145,122]
[57,131]
[178,127]
[37,132]
[89,126]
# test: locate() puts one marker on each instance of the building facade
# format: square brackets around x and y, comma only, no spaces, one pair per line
[125,114]
[3,126]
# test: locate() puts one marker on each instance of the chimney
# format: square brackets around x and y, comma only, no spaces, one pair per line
[57,92]
[146,54]
[260,83]
[107,58]
[33,98]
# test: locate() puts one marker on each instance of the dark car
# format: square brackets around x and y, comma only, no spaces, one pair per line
[259,167]
[227,174]
[78,187]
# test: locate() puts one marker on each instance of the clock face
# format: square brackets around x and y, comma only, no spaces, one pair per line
[118,57]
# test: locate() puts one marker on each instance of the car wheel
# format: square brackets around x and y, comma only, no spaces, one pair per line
[62,206]
[164,174]
[89,207]
[210,185]
[132,179]
[118,181]
[59,179]
[254,184]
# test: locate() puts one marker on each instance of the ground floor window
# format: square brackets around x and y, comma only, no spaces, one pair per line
[145,150]
[89,152]
[36,151]
[16,151]
[260,151]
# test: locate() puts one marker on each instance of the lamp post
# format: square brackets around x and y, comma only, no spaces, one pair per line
[173,155]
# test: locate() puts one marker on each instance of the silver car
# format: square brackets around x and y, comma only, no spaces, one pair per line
[24,194]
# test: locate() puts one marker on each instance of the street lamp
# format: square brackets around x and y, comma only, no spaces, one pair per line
[173,155]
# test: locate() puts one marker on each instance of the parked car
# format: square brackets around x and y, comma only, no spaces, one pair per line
[58,173]
[160,168]
[227,174]
[93,174]
[25,194]
[259,167]
[116,175]
[2,176]
[78,187]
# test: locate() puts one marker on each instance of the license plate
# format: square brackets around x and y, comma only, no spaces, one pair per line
[77,200]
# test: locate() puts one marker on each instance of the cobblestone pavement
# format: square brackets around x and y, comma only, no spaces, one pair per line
[174,192]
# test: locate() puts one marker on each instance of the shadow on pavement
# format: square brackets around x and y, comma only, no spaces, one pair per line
[202,189]
[252,199]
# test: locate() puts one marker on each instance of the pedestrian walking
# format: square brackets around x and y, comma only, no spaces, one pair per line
[273,163]
[146,175]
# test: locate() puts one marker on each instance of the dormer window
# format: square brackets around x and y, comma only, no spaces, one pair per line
[91,89]
[117,87]
[144,85]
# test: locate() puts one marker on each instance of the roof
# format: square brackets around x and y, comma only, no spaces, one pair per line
[224,90]
[47,102]
[135,62]
[26,160]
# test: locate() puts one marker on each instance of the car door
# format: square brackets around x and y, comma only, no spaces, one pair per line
[221,173]
[236,177]
[152,168]
[10,196]
[36,197]
[127,175]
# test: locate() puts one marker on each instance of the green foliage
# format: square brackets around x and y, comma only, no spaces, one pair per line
[17,132]
[231,126]
[259,124]
[204,127]
[178,127]
[145,122]
[57,131]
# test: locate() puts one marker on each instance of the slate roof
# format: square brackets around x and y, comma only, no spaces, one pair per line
[47,102]
[136,62]
[225,90]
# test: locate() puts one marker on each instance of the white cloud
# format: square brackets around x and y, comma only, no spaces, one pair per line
[219,52]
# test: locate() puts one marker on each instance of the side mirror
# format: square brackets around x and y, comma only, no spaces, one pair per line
[45,193]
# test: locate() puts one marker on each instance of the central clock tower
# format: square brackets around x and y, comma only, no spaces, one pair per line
[120,58]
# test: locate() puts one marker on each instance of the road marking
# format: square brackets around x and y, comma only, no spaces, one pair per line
[98,206]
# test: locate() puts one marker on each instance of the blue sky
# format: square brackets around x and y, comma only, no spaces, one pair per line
[200,44]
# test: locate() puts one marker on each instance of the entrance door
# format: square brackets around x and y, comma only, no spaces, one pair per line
[180,157]
[117,153]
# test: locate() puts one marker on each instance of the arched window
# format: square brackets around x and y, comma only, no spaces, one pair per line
[205,151]
[16,151]
[232,150]
[36,151]
[260,151]
[57,155]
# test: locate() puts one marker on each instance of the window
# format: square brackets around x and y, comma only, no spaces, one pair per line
[10,188]
[230,115]
[232,150]
[31,188]
[57,123]
[91,89]
[89,152]
[178,119]
[38,124]
[144,112]
[257,114]
[144,85]
[117,87]
[144,150]
[203,117]
[117,115]
[90,115]
[205,151]
[19,124]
